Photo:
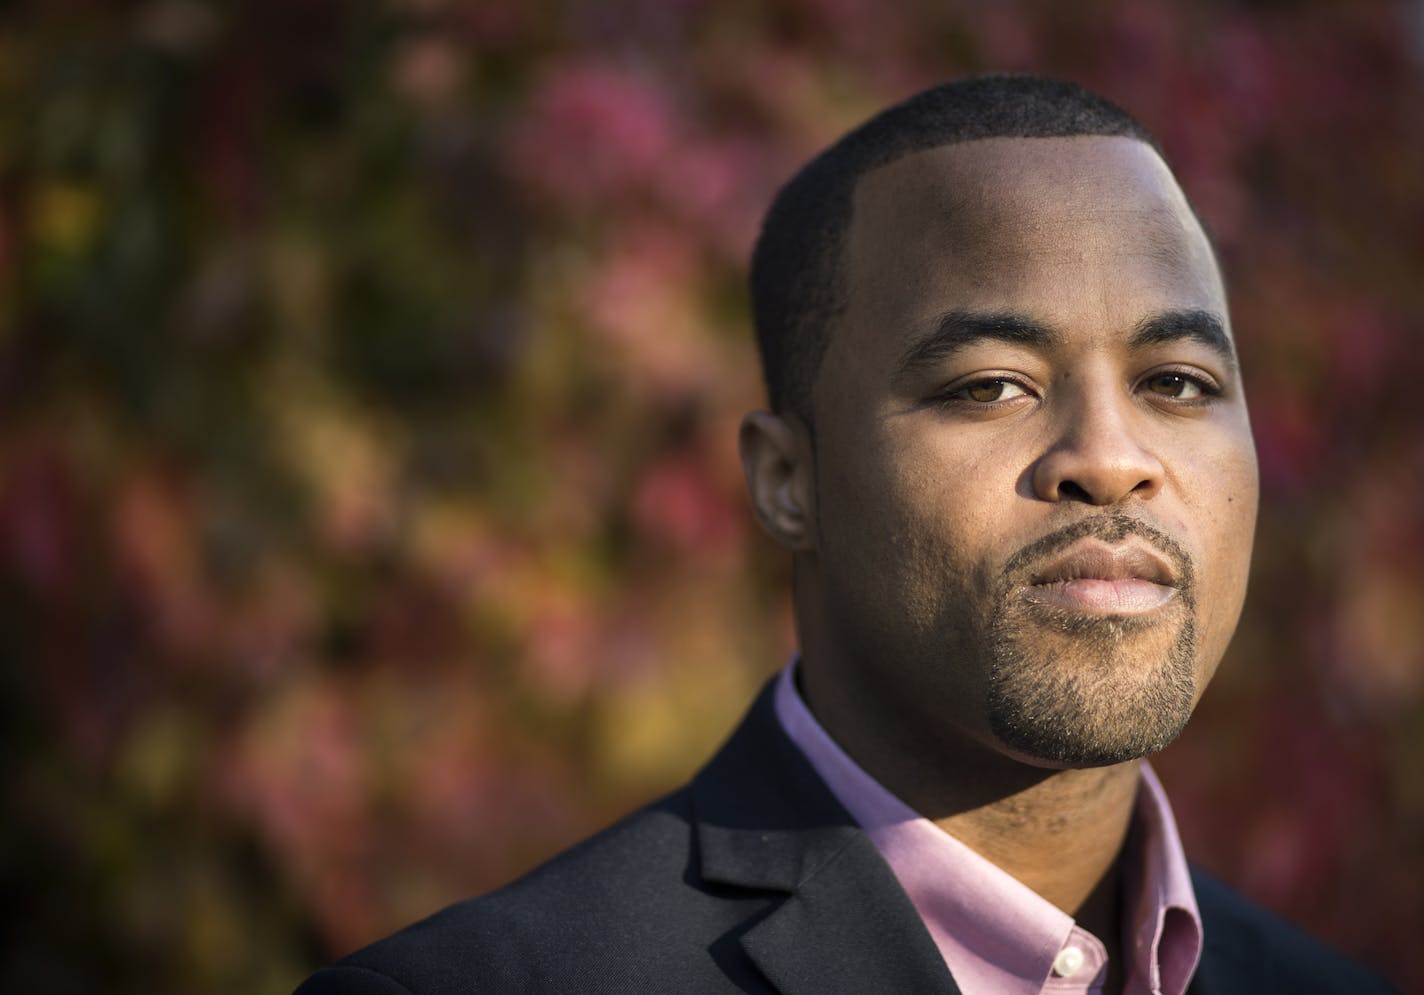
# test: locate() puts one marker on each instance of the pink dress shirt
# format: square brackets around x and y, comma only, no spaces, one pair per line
[997,936]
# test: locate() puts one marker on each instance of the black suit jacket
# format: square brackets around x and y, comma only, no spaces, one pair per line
[753,878]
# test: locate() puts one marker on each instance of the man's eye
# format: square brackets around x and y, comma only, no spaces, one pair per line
[1177,385]
[987,391]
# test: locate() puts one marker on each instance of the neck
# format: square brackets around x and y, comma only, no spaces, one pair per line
[1057,831]
[1060,835]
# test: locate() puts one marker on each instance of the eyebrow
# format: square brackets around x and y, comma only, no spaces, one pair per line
[956,330]
[1191,324]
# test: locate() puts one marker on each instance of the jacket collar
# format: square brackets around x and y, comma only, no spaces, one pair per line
[765,821]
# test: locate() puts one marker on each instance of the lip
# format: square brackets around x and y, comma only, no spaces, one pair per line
[1100,579]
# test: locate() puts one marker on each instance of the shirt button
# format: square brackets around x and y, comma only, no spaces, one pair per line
[1068,962]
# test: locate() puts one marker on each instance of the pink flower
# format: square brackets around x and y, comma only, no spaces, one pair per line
[592,133]
[643,303]
[679,503]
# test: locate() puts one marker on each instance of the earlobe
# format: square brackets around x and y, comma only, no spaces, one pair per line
[776,459]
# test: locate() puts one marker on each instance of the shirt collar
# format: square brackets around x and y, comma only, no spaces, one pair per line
[995,933]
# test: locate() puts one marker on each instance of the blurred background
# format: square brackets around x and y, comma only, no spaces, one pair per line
[370,519]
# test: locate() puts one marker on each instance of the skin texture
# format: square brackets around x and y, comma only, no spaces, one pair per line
[1022,534]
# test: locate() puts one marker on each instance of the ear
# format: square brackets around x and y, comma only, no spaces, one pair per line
[776,459]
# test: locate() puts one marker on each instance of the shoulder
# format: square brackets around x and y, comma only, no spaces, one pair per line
[1249,949]
[612,913]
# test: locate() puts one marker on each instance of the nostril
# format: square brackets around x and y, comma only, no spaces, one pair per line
[1070,490]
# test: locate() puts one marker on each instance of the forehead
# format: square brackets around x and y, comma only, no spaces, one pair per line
[1074,231]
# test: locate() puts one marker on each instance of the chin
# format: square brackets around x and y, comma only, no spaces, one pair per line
[1097,693]
[1065,749]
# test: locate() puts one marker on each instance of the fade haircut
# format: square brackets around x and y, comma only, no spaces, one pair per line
[796,287]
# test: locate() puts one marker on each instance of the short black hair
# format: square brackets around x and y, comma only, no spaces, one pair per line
[796,290]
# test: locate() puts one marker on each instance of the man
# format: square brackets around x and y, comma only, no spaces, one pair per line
[1010,455]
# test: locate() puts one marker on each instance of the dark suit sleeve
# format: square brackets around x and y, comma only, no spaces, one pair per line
[1249,951]
[351,980]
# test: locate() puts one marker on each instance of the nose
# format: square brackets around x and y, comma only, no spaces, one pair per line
[1098,456]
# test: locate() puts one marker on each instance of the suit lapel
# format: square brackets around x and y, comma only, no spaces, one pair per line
[766,821]
[849,928]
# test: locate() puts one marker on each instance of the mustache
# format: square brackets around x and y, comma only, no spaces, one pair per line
[1111,528]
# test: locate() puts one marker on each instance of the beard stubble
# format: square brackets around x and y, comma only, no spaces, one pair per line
[1080,690]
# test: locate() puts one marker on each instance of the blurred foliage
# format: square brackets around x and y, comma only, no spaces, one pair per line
[370,521]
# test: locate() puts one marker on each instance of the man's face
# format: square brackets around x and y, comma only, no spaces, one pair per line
[1035,481]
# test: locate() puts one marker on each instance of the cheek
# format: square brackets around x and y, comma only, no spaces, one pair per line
[943,522]
[1229,520]
[894,528]
[1236,493]
[957,493]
